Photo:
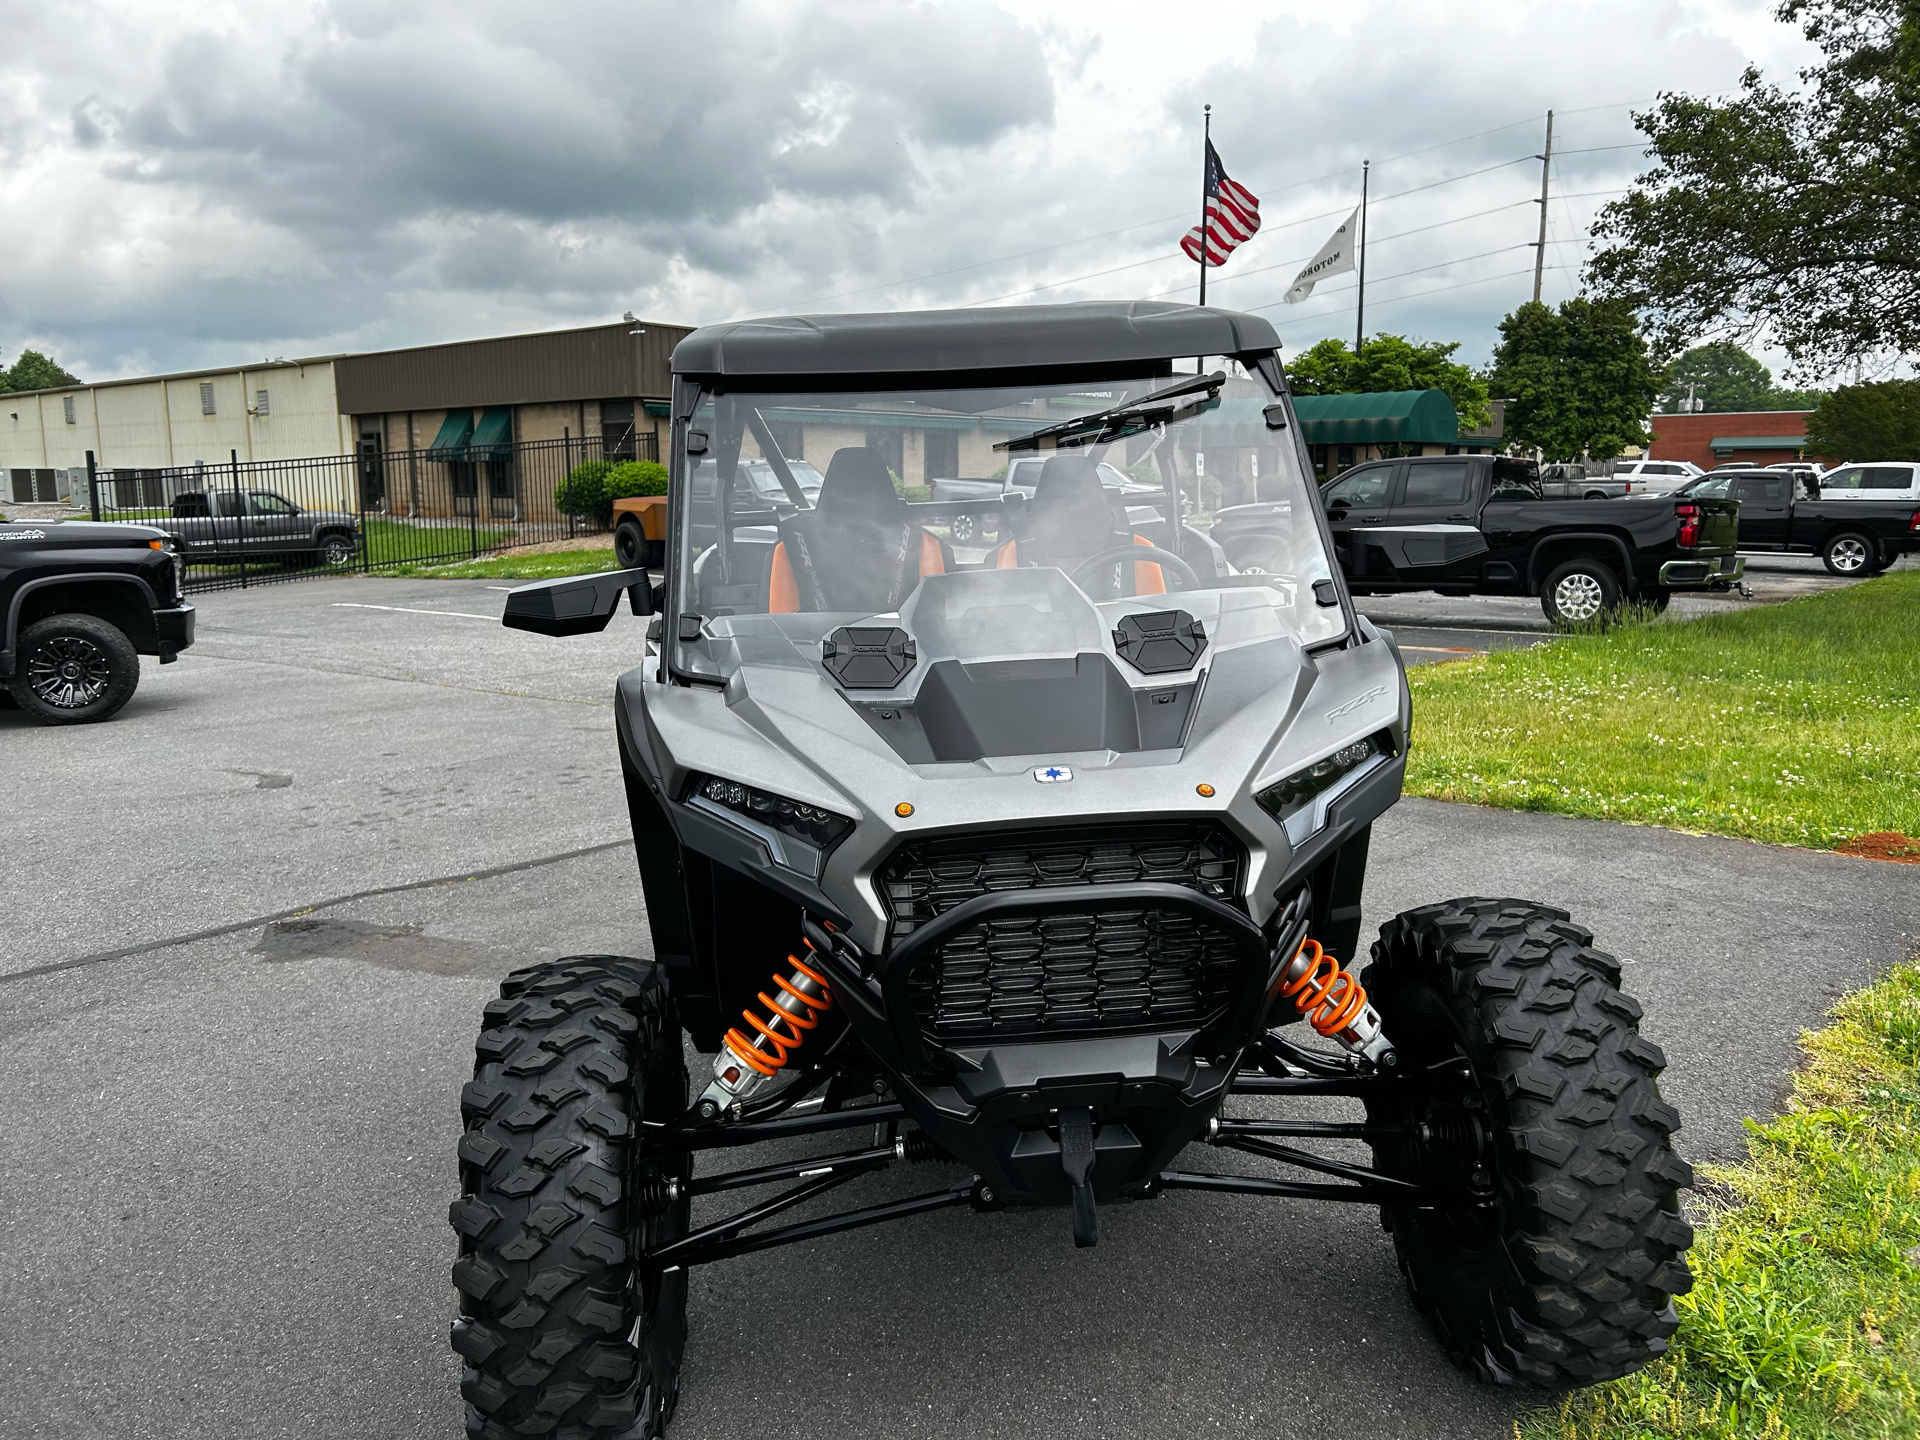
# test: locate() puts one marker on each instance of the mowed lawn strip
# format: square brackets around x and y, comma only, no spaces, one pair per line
[514,566]
[1804,1320]
[1796,723]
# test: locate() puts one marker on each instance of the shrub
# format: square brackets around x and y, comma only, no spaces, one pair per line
[637,477]
[584,491]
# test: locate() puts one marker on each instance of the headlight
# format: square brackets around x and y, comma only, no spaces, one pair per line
[1300,801]
[797,836]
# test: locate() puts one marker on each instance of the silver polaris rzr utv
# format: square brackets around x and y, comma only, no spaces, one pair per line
[1024,834]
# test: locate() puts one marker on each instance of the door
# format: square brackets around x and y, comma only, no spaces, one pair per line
[1763,510]
[1430,537]
[273,524]
[1356,503]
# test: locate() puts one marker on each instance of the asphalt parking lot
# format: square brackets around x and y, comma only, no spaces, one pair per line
[230,1138]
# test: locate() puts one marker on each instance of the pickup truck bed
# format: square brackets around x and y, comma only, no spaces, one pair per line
[1479,525]
[1852,536]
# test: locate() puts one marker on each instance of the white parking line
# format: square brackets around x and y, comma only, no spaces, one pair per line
[410,610]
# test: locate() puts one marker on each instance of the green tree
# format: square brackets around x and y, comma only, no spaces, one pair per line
[1578,380]
[1876,421]
[34,371]
[1719,376]
[1392,362]
[1800,211]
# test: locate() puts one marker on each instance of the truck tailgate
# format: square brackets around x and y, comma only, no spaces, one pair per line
[1719,524]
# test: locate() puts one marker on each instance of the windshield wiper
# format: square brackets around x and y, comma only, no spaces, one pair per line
[1131,417]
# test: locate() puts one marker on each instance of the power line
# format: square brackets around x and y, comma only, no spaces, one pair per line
[1163,219]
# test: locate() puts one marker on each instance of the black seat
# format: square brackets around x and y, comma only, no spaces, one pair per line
[1072,518]
[859,548]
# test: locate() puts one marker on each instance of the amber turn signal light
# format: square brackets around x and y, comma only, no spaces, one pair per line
[1205,792]
[903,809]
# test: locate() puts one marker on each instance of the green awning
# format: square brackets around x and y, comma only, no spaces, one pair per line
[658,409]
[1417,417]
[493,434]
[454,432]
[1758,442]
[1407,417]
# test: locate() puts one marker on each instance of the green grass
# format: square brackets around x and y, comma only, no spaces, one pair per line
[1790,723]
[1804,1320]
[509,566]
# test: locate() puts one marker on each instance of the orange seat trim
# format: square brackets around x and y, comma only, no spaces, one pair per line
[783,591]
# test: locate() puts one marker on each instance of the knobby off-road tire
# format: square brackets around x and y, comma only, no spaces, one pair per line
[73,670]
[1568,1276]
[561,1334]
[629,544]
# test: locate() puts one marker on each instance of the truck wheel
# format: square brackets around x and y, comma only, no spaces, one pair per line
[560,1331]
[1656,600]
[1580,592]
[629,544]
[73,670]
[1597,495]
[336,551]
[962,529]
[1849,553]
[1538,1092]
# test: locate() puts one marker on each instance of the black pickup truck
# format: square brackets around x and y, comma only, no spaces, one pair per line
[1854,536]
[1479,525]
[80,603]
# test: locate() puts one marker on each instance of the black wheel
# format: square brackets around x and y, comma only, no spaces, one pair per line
[1580,592]
[336,551]
[1850,553]
[73,670]
[561,1332]
[629,544]
[1597,495]
[1537,1093]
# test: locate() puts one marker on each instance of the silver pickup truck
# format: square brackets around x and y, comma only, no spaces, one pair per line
[1021,478]
[223,526]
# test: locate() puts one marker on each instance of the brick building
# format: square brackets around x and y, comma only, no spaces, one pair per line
[1759,437]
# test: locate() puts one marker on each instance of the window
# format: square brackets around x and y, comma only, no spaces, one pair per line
[791,438]
[942,454]
[229,502]
[1886,477]
[1761,489]
[67,404]
[206,397]
[265,502]
[260,402]
[1436,484]
[1847,479]
[1517,479]
[891,445]
[1363,487]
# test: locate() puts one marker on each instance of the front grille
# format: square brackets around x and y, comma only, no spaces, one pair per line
[1068,971]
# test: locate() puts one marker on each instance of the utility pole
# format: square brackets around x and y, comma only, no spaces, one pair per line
[1540,249]
[1360,311]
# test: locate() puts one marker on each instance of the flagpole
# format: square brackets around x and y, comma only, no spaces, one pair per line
[1206,139]
[1360,312]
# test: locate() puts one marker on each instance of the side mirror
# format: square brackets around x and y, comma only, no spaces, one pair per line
[576,604]
[1276,415]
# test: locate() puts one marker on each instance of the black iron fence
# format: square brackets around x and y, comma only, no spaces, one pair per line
[253,522]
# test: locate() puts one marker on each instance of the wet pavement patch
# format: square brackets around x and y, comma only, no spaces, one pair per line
[391,947]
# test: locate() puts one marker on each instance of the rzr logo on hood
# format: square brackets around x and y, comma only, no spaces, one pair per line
[1052,774]
[1354,704]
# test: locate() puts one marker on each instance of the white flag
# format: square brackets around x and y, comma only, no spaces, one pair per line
[1335,256]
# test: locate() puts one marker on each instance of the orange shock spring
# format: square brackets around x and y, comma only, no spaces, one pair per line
[1334,1002]
[805,996]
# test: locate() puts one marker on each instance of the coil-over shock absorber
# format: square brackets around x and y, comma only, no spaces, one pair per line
[746,1062]
[1334,1003]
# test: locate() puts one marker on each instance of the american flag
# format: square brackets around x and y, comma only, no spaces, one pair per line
[1233,215]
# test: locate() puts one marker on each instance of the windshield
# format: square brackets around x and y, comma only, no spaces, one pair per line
[804,512]
[1709,487]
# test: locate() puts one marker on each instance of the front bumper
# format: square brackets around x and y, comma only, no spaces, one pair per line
[1721,573]
[174,630]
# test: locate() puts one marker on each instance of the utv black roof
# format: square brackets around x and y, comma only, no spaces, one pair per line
[1088,334]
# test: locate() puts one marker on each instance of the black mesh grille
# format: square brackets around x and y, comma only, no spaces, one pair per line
[1072,970]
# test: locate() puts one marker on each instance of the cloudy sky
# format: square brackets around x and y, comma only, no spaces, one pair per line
[204,183]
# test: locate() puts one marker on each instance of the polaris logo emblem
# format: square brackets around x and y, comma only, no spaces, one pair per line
[1052,774]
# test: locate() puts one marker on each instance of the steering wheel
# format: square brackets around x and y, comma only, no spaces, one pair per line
[1188,577]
